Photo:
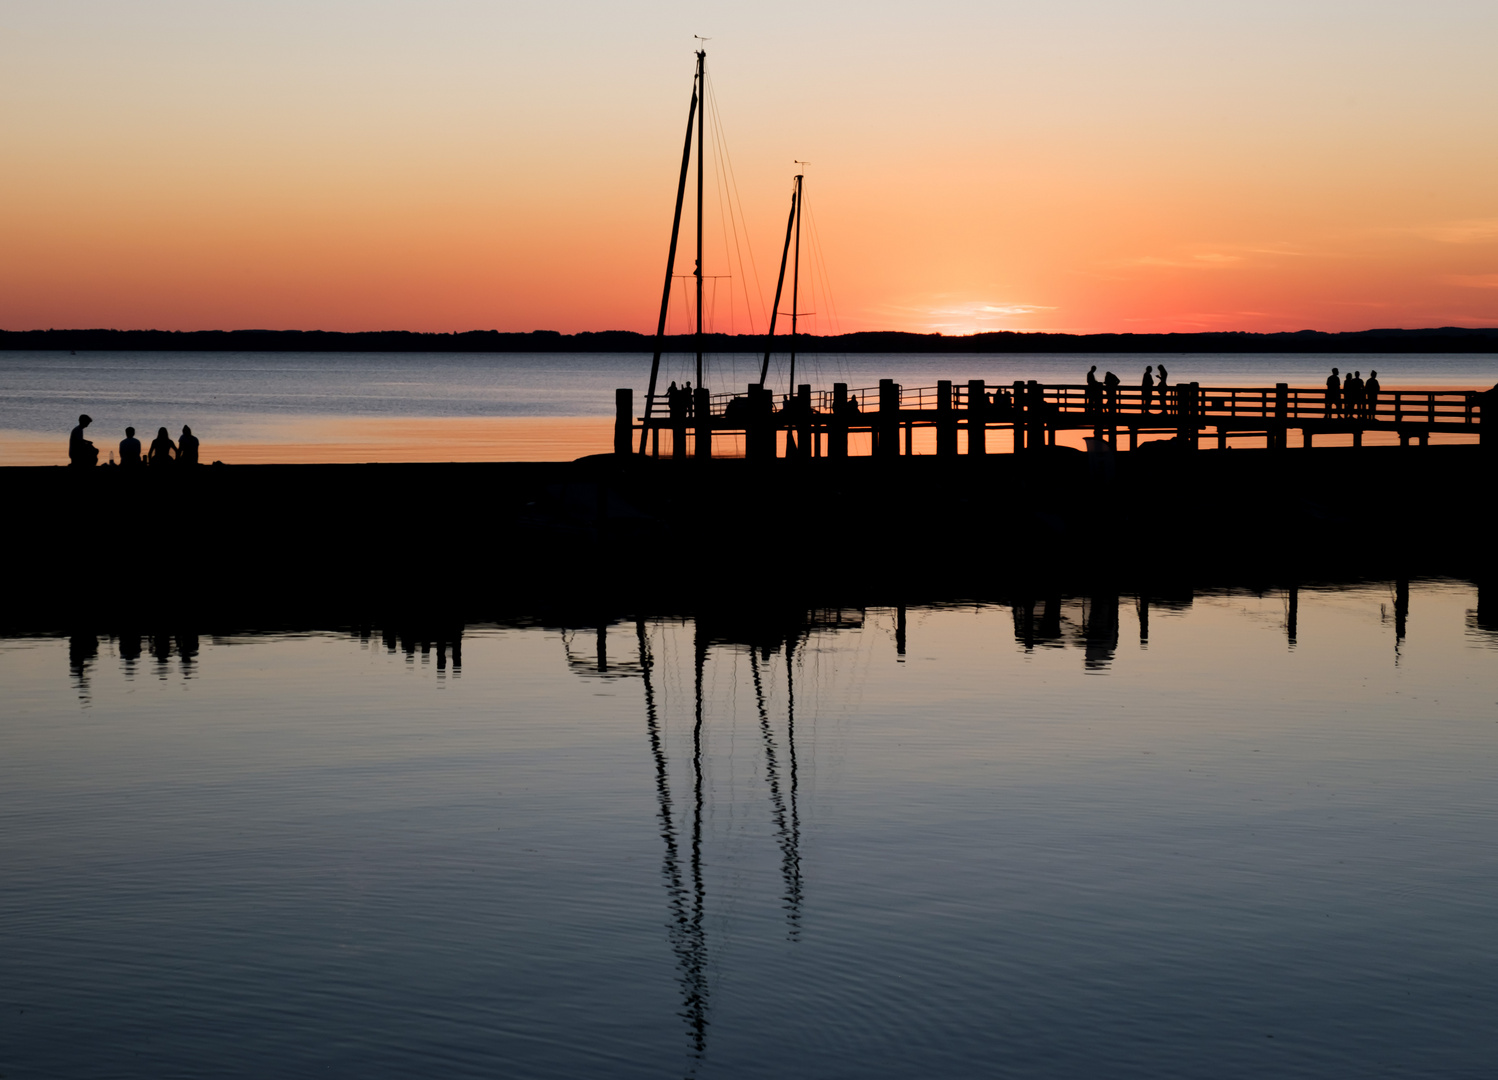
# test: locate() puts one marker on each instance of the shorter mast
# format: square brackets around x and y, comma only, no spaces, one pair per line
[795,287]
[790,225]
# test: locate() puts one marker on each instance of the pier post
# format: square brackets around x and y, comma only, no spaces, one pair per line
[803,421]
[1279,433]
[624,420]
[702,414]
[977,418]
[837,425]
[1018,410]
[1035,414]
[887,431]
[1186,414]
[946,420]
[759,435]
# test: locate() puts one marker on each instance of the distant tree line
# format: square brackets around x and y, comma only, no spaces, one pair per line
[1446,339]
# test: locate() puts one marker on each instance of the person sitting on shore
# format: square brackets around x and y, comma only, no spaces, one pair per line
[130,448]
[187,447]
[81,452]
[161,449]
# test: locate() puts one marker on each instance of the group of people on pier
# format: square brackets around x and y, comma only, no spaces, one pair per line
[1351,398]
[1103,395]
[161,452]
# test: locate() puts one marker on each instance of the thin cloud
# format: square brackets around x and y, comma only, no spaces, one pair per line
[1471,231]
[1475,281]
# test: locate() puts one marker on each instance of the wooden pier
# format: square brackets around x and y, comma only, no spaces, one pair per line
[977,418]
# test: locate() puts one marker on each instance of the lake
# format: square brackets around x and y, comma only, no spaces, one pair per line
[256,408]
[1221,834]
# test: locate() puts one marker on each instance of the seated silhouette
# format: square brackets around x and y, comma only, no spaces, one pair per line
[81,452]
[161,449]
[187,447]
[130,448]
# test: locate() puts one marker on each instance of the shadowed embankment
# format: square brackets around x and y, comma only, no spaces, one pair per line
[274,544]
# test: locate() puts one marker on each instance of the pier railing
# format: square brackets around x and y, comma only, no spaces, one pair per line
[1033,412]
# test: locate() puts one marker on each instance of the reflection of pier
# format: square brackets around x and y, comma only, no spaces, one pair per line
[1028,415]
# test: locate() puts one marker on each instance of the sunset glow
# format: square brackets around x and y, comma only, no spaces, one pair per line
[1077,166]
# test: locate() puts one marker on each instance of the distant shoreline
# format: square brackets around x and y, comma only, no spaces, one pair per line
[1447,339]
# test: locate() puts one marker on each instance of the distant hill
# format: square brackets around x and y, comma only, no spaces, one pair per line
[1445,339]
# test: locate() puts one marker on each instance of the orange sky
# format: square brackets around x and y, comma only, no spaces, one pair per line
[974,166]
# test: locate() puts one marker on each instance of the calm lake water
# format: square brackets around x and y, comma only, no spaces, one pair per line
[329,407]
[1119,839]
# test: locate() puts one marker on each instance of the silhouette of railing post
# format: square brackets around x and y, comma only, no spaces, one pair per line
[977,418]
[702,413]
[624,420]
[887,431]
[1017,407]
[946,420]
[837,424]
[759,430]
[1279,437]
[803,421]
[1188,413]
[1035,415]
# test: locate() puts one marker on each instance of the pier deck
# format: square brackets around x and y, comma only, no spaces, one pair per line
[978,418]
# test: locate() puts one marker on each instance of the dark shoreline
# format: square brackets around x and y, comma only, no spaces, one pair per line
[1434,340]
[283,544]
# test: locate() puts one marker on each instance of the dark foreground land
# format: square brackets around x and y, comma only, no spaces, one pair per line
[274,544]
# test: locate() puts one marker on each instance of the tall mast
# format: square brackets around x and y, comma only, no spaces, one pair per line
[796,285]
[701,123]
[660,327]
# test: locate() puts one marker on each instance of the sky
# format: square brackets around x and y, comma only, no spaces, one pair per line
[1074,165]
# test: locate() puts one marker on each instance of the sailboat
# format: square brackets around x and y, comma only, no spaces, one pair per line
[790,258]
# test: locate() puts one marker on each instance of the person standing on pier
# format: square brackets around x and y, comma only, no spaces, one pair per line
[1370,396]
[1160,374]
[1094,391]
[130,448]
[1350,387]
[1146,390]
[1333,394]
[1110,385]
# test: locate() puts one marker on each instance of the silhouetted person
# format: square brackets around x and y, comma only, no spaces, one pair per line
[1160,374]
[187,447]
[1146,389]
[161,449]
[673,400]
[1370,396]
[81,452]
[853,405]
[1094,391]
[130,448]
[1349,395]
[686,397]
[1333,394]
[1110,386]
